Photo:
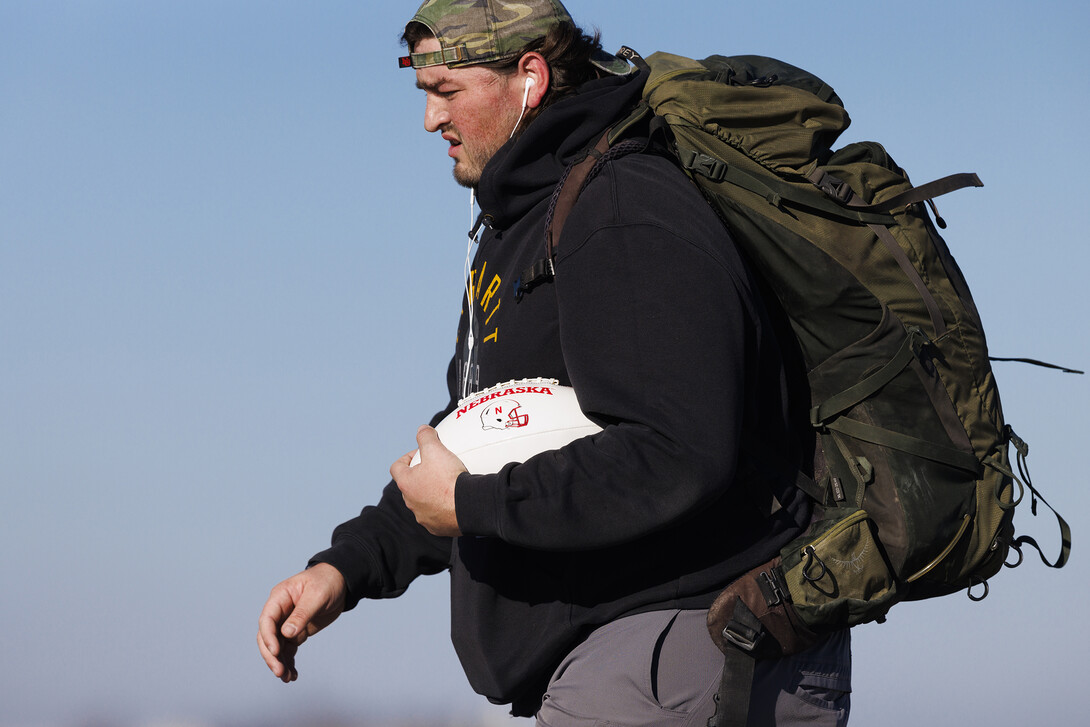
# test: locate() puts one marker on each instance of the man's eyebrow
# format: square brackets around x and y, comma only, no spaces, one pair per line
[433,85]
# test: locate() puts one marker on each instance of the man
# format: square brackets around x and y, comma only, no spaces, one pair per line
[580,579]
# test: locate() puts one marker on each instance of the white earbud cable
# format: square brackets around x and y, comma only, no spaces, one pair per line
[468,272]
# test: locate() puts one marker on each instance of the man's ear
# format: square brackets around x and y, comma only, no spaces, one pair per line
[534,72]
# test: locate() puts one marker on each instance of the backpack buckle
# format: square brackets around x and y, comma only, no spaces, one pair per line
[835,187]
[531,277]
[703,164]
[742,636]
[770,588]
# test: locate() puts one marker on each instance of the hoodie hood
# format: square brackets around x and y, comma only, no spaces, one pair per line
[526,169]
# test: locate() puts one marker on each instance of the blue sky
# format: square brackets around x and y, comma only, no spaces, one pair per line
[230,262]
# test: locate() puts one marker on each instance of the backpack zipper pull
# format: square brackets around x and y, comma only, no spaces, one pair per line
[935,211]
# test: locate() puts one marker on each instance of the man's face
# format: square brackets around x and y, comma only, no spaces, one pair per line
[474,108]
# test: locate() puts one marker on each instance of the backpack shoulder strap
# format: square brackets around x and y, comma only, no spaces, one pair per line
[568,190]
[576,177]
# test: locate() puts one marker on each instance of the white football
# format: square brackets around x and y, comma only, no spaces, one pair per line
[512,422]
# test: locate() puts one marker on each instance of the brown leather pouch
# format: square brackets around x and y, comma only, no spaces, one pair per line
[755,614]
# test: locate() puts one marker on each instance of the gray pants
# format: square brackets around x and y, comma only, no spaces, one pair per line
[661,668]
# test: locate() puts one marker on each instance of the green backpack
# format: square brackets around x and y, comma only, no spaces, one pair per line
[914,488]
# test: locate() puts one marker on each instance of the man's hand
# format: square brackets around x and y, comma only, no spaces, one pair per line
[428,488]
[298,608]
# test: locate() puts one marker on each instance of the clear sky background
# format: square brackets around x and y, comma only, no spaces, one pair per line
[230,263]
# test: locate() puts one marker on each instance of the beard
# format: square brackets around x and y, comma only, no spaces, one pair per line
[476,155]
[467,170]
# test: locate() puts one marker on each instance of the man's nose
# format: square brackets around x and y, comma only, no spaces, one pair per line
[435,116]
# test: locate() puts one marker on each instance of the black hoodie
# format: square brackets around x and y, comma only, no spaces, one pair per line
[655,321]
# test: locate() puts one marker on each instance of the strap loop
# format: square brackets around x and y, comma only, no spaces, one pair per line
[811,556]
[837,404]
[978,582]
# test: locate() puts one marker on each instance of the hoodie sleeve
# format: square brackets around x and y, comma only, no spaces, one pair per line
[662,339]
[383,549]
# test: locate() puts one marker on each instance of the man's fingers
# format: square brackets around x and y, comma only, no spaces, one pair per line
[402,464]
[287,672]
[269,654]
[279,657]
[273,660]
[272,615]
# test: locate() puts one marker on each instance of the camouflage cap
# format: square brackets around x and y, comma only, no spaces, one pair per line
[484,31]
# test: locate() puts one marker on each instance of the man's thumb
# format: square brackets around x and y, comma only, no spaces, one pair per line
[296,624]
[426,436]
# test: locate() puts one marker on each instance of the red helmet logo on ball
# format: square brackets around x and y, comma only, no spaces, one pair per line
[503,415]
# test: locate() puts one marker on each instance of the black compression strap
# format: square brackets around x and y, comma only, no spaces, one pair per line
[1035,362]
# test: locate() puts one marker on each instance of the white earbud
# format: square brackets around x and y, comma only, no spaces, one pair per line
[525,98]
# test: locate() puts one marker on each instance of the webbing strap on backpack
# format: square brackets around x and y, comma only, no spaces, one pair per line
[735,687]
[1022,450]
